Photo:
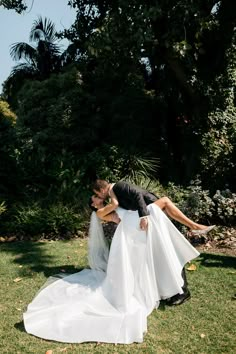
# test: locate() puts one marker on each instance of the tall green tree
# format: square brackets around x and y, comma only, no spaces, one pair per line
[36,60]
[8,166]
[17,5]
[176,51]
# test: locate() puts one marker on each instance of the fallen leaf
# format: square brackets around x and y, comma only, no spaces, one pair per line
[202,335]
[2,239]
[208,245]
[192,267]
[17,280]
[12,238]
[20,266]
[18,309]
[48,352]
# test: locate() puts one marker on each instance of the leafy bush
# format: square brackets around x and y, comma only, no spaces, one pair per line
[226,206]
[3,207]
[36,220]
[218,157]
[58,219]
[28,219]
[114,163]
[9,178]
[198,205]
[61,219]
[193,201]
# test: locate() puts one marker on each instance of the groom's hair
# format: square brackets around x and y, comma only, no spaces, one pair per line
[99,184]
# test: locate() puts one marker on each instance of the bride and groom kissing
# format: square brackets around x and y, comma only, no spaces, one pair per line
[131,197]
[111,301]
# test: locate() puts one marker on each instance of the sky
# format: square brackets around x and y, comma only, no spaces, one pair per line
[16,28]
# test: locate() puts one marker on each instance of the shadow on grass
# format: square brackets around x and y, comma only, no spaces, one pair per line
[217,260]
[33,255]
[20,326]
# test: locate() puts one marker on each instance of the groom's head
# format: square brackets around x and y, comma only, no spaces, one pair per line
[101,188]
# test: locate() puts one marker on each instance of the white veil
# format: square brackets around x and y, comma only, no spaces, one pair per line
[98,251]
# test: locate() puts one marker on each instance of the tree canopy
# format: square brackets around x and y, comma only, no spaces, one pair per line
[139,78]
[17,5]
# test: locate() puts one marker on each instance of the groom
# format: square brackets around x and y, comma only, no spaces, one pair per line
[131,197]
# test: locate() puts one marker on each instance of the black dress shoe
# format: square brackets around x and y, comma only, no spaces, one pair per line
[178,299]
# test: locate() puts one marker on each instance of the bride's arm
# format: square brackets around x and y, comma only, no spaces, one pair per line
[112,217]
[109,207]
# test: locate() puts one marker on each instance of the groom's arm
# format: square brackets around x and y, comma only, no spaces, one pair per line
[130,197]
[138,200]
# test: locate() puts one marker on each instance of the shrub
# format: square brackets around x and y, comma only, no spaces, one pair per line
[226,206]
[28,219]
[61,219]
[37,220]
[199,206]
[2,207]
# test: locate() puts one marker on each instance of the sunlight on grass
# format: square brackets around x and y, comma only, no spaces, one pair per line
[205,324]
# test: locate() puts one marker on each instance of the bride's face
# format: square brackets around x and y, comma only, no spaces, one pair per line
[97,202]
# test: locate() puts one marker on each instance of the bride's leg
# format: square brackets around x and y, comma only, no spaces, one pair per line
[171,210]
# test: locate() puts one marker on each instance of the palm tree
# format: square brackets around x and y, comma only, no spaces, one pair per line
[37,61]
[40,59]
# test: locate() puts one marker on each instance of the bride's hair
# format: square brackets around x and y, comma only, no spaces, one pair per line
[90,204]
[99,184]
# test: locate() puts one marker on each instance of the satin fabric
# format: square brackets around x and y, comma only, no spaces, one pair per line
[113,306]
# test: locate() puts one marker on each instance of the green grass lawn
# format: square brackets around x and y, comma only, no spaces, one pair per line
[205,324]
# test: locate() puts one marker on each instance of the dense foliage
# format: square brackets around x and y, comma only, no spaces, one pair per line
[145,89]
[17,5]
[8,165]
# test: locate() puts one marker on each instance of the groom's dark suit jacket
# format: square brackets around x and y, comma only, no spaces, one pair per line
[131,197]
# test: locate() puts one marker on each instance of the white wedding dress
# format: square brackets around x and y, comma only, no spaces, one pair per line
[110,302]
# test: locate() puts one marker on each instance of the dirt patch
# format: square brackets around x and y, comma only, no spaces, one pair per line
[212,247]
[222,240]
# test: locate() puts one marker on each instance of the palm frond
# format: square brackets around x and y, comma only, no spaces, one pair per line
[23,69]
[70,54]
[43,30]
[137,167]
[49,50]
[54,49]
[22,50]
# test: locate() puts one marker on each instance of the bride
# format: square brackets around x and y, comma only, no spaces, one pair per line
[110,301]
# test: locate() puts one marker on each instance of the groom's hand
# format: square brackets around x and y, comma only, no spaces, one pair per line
[143,223]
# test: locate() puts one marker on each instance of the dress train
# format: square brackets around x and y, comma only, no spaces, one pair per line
[112,305]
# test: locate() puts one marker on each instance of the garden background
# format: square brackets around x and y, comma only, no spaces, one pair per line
[145,92]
